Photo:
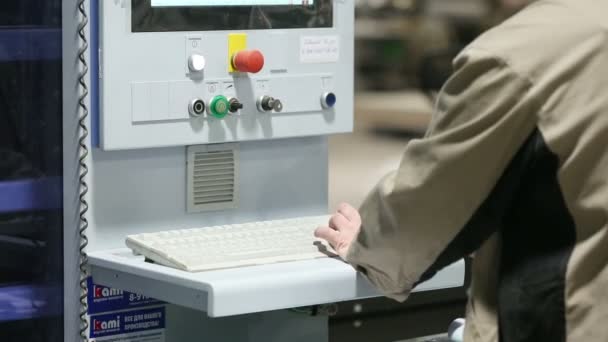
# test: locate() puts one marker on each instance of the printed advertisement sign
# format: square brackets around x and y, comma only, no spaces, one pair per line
[144,325]
[105,299]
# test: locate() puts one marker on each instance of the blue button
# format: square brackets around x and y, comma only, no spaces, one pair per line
[329,100]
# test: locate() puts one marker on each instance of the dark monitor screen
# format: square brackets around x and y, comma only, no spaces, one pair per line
[219,15]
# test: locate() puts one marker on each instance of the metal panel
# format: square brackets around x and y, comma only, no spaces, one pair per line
[249,289]
[145,191]
[147,58]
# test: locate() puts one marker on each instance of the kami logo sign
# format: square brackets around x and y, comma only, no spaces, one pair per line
[105,325]
[128,322]
[106,292]
[106,299]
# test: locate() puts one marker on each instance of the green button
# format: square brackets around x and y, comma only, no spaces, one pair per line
[219,107]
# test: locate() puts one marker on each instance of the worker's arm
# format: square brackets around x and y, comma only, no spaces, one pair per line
[452,186]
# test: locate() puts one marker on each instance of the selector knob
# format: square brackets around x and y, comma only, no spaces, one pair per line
[269,104]
[197,63]
[235,105]
[251,61]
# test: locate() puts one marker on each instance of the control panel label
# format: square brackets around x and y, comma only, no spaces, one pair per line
[146,325]
[105,299]
[319,49]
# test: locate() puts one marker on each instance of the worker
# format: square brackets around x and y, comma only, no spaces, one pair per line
[513,168]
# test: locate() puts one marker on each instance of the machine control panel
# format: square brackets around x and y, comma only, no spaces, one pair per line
[192,72]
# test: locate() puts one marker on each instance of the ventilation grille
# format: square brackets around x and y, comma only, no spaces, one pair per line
[212,177]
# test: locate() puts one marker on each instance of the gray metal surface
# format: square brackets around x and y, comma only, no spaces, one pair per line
[275,326]
[145,191]
[247,290]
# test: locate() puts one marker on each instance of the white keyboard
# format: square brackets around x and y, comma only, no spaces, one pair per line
[257,243]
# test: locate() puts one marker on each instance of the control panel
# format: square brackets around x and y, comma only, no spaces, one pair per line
[189,72]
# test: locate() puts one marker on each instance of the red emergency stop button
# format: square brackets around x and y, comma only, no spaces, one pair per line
[251,61]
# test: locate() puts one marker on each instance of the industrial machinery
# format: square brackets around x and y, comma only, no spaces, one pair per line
[186,114]
[31,215]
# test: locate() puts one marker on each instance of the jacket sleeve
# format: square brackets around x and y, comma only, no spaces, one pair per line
[428,213]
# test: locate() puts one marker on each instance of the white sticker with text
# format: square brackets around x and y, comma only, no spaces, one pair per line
[319,49]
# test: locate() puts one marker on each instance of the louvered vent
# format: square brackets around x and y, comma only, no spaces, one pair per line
[212,177]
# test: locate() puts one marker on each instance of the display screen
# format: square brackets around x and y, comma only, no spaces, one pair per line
[188,3]
[219,15]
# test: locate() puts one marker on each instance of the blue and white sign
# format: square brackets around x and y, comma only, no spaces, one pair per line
[105,299]
[145,325]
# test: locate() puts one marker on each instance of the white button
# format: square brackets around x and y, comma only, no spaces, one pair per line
[196,63]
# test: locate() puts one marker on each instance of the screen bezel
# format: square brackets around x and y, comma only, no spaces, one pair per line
[145,18]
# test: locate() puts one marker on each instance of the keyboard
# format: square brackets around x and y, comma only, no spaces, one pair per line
[229,246]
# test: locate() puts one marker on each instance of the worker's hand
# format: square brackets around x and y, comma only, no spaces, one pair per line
[342,230]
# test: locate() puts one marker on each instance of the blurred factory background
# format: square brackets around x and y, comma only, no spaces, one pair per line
[404,53]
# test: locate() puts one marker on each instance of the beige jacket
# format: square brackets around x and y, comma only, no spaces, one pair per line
[515,168]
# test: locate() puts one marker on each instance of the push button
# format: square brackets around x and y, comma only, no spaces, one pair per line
[251,61]
[196,107]
[196,63]
[219,107]
[328,100]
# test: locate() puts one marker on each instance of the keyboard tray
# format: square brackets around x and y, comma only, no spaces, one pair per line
[247,290]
